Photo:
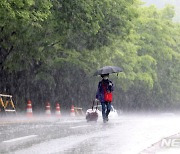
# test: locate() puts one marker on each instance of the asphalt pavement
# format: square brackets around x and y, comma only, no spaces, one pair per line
[127,134]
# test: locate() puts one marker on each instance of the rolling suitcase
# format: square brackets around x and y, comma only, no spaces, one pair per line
[92,114]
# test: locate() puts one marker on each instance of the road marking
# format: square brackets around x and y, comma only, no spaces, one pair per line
[20,138]
[79,126]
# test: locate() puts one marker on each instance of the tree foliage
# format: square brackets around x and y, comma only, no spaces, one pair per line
[49,50]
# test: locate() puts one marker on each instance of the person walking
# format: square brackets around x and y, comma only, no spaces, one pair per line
[104,95]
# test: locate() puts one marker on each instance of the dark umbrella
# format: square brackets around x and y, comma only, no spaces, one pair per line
[108,70]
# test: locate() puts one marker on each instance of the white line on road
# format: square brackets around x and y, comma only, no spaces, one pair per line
[20,138]
[79,126]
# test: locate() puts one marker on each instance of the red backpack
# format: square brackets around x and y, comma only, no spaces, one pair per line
[107,95]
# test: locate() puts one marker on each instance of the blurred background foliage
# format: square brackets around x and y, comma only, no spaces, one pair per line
[49,50]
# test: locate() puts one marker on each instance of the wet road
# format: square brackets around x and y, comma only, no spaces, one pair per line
[127,134]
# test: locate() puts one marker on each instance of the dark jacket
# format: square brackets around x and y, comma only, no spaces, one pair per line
[100,91]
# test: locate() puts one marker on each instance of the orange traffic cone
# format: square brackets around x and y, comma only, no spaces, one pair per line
[48,109]
[58,112]
[72,111]
[29,109]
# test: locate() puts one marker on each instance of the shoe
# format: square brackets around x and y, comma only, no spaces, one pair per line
[104,120]
[107,119]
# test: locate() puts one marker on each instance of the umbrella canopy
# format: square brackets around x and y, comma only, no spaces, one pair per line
[108,70]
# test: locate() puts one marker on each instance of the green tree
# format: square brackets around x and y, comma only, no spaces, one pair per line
[158,39]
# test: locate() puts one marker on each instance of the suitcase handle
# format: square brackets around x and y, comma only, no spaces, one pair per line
[96,104]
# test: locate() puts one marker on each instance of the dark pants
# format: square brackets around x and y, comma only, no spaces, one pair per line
[106,108]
